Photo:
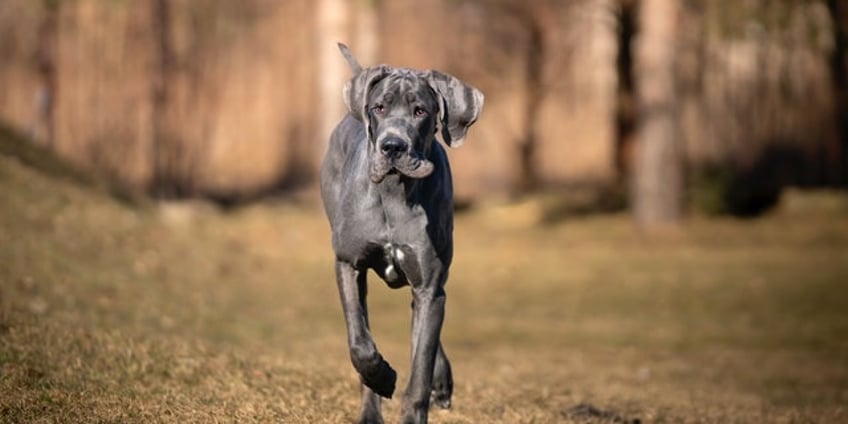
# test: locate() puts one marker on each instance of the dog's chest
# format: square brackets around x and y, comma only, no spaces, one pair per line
[371,223]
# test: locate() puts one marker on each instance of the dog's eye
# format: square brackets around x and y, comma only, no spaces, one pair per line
[420,112]
[378,109]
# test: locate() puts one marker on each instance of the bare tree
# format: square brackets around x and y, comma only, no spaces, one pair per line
[535,20]
[365,31]
[839,69]
[657,187]
[164,63]
[333,20]
[625,113]
[45,99]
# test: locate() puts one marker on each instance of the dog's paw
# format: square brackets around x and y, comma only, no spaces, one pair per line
[381,379]
[441,394]
[376,419]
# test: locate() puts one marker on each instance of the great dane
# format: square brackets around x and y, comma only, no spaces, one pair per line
[387,191]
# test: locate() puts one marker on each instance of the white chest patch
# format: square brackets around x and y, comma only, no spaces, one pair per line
[394,255]
[390,272]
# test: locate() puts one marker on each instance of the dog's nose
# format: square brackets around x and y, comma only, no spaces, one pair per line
[393,147]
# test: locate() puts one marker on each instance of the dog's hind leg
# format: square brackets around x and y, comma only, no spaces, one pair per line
[442,381]
[369,412]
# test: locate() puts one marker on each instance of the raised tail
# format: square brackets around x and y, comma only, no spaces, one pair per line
[354,65]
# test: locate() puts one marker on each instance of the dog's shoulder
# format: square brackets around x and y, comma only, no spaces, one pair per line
[347,135]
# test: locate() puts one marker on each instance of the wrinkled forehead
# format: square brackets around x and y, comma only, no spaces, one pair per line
[404,84]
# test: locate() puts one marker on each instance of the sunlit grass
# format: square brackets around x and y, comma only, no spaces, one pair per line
[185,313]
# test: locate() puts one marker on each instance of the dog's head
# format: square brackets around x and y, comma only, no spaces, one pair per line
[402,109]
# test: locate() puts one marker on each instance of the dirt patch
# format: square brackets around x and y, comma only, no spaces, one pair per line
[587,412]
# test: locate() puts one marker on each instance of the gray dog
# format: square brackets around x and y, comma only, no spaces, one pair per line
[387,191]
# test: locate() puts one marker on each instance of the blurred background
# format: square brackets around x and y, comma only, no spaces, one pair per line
[163,257]
[732,100]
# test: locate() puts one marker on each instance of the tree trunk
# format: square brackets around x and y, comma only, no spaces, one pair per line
[625,114]
[528,177]
[333,20]
[366,32]
[536,18]
[162,184]
[839,70]
[45,99]
[657,187]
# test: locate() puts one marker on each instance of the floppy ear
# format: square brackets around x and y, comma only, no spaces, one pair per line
[355,93]
[356,90]
[460,104]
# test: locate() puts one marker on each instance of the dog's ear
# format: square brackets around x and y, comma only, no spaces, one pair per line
[459,106]
[356,90]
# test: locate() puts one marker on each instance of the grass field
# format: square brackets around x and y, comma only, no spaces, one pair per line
[185,313]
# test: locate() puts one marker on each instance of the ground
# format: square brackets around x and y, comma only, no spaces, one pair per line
[117,311]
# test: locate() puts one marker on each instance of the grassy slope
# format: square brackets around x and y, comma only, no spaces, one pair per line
[183,313]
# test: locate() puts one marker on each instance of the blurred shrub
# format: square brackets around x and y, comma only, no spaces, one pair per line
[708,189]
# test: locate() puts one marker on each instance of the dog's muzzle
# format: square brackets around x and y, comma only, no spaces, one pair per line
[396,154]
[393,148]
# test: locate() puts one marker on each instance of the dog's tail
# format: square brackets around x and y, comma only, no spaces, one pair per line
[354,65]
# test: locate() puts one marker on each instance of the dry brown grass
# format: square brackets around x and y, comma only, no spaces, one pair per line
[183,313]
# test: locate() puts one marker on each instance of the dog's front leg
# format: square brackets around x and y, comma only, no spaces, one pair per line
[428,311]
[377,376]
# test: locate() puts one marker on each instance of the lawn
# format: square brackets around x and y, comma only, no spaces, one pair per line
[116,311]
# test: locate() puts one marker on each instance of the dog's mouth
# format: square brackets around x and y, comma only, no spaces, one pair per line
[410,164]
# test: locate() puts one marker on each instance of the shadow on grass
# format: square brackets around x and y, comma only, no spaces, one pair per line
[17,145]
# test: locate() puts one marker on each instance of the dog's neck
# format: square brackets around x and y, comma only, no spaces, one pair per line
[396,186]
